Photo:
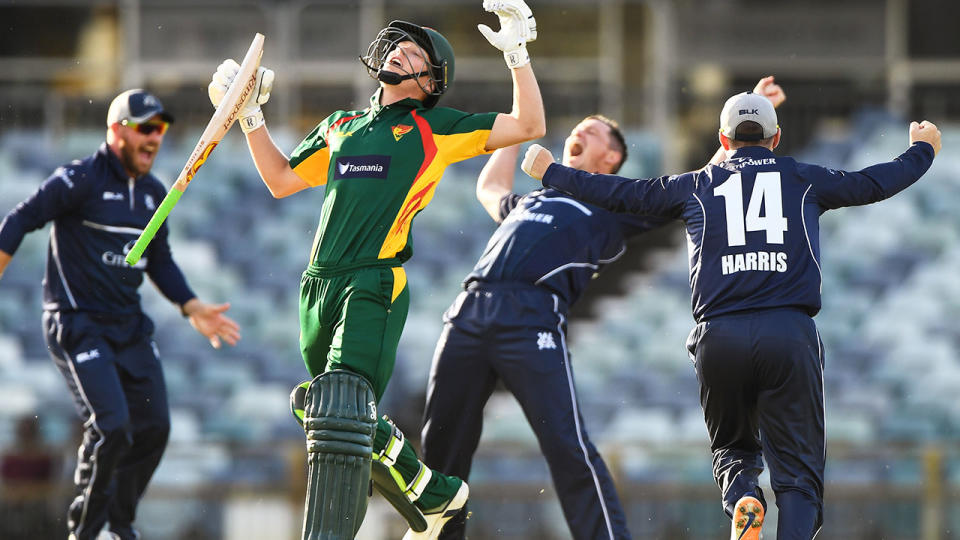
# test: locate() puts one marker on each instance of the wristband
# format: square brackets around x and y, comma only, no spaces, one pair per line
[517,58]
[252,122]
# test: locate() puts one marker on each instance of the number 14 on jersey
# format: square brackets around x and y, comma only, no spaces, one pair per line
[766,195]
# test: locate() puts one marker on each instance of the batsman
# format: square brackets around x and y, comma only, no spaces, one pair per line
[381,166]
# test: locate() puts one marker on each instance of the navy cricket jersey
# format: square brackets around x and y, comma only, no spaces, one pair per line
[752,221]
[97,212]
[550,240]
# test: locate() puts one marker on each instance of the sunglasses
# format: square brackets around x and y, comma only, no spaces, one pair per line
[147,128]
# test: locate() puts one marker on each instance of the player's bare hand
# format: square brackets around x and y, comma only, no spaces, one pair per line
[770,90]
[536,161]
[209,320]
[927,132]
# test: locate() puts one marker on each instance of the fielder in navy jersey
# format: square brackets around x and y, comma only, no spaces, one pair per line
[752,221]
[510,325]
[99,338]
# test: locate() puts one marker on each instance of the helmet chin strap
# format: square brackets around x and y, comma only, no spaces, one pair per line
[392,78]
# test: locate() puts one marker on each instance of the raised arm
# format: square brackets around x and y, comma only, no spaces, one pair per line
[496,179]
[271,163]
[662,197]
[526,120]
[837,189]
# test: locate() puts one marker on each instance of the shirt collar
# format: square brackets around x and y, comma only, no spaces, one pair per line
[752,152]
[113,162]
[408,103]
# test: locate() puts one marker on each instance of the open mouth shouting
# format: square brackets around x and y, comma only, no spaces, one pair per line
[576,148]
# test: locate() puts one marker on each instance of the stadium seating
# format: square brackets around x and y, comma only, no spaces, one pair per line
[890,301]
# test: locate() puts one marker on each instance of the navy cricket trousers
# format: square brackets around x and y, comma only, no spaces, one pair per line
[111,367]
[516,333]
[761,389]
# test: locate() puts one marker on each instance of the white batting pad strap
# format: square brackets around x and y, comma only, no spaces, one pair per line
[391,452]
[251,122]
[415,488]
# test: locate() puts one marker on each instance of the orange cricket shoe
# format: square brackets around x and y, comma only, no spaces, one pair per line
[747,519]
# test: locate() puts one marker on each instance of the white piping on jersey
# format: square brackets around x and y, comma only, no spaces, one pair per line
[130,188]
[111,228]
[576,415]
[62,174]
[565,200]
[96,447]
[56,259]
[695,270]
[564,267]
[823,389]
[803,219]
[824,394]
[623,249]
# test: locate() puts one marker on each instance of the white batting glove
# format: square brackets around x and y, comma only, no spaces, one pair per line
[517,27]
[250,117]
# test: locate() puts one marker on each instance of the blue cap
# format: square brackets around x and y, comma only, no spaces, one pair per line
[136,106]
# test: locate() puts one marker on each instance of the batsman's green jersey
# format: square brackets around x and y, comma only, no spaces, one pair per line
[381,167]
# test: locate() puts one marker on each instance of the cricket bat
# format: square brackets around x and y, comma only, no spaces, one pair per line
[224,117]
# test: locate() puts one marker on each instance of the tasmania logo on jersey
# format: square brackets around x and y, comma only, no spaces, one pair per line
[362,167]
[400,130]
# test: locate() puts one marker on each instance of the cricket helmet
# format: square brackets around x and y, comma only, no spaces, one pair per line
[439,50]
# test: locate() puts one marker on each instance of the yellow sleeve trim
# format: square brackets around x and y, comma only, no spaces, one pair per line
[461,146]
[313,170]
[399,282]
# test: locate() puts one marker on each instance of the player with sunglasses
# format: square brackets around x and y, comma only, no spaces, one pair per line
[98,336]
[148,127]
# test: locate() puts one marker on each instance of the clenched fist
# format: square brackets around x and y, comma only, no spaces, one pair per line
[536,161]
[927,132]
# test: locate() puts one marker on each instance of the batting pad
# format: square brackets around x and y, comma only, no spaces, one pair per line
[340,417]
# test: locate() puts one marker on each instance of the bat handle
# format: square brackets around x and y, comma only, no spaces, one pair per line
[133,257]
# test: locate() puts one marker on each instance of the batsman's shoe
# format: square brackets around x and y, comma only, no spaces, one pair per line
[438,517]
[747,519]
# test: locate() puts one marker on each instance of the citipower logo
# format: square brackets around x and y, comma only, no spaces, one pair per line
[199,161]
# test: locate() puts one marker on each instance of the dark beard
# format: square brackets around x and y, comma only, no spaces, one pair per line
[128,156]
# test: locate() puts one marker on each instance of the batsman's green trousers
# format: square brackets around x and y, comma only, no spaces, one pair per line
[351,318]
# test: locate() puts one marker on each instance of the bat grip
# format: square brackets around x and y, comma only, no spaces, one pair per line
[133,257]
